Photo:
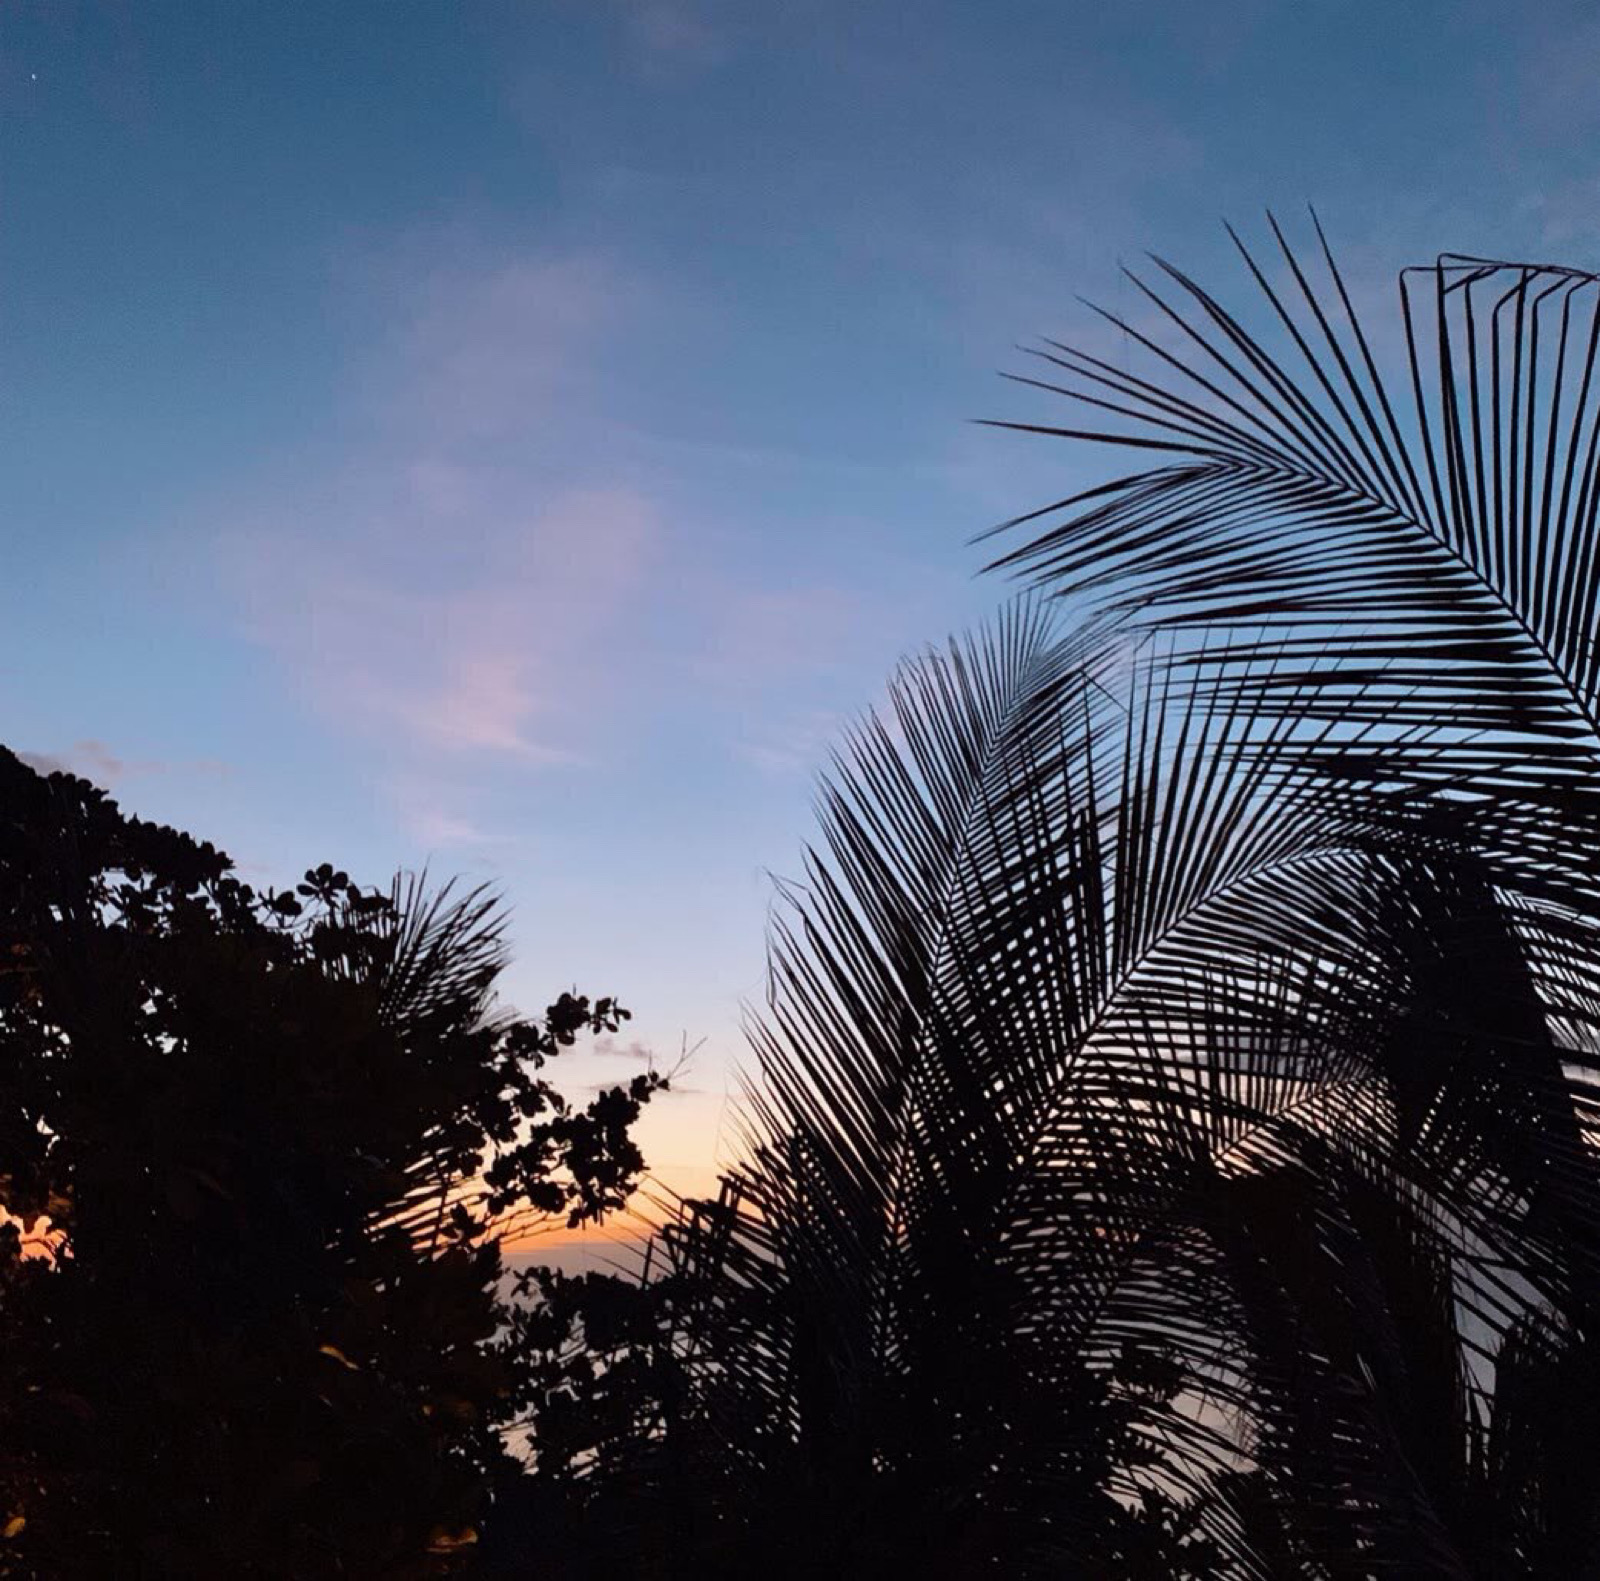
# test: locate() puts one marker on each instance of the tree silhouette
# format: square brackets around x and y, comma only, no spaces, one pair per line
[1171,1149]
[273,1136]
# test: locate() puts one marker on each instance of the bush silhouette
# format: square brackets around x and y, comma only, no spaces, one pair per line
[267,1138]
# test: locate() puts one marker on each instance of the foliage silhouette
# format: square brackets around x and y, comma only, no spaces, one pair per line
[274,1136]
[1171,1149]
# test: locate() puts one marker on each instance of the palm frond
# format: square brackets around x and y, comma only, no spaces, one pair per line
[1176,1098]
[1422,564]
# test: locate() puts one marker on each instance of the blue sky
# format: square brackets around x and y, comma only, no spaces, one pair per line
[514,437]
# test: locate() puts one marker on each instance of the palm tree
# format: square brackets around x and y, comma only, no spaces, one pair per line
[1170,1150]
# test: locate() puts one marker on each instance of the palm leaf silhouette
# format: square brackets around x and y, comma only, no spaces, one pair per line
[1422,568]
[1170,1148]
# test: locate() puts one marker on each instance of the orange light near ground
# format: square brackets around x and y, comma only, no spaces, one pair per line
[42,1241]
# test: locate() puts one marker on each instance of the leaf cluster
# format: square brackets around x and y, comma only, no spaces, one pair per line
[268,1144]
[1172,1143]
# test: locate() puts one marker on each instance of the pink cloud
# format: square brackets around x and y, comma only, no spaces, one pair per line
[512,656]
[436,829]
[498,662]
[446,590]
[95,761]
[489,573]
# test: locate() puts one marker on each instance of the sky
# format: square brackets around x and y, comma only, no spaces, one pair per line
[515,439]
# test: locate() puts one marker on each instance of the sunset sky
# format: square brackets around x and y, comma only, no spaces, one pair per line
[512,438]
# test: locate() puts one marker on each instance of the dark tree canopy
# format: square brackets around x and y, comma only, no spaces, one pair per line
[273,1136]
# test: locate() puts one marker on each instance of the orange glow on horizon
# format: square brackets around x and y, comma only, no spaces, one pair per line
[630,1227]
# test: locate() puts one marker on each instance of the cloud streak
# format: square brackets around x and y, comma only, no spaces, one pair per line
[498,568]
[95,761]
[449,591]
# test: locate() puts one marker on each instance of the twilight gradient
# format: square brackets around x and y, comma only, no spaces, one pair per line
[512,437]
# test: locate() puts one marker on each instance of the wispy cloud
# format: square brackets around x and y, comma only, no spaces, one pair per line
[674,1090]
[634,1049]
[498,565]
[669,37]
[488,345]
[450,589]
[437,829]
[639,1053]
[495,663]
[94,760]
